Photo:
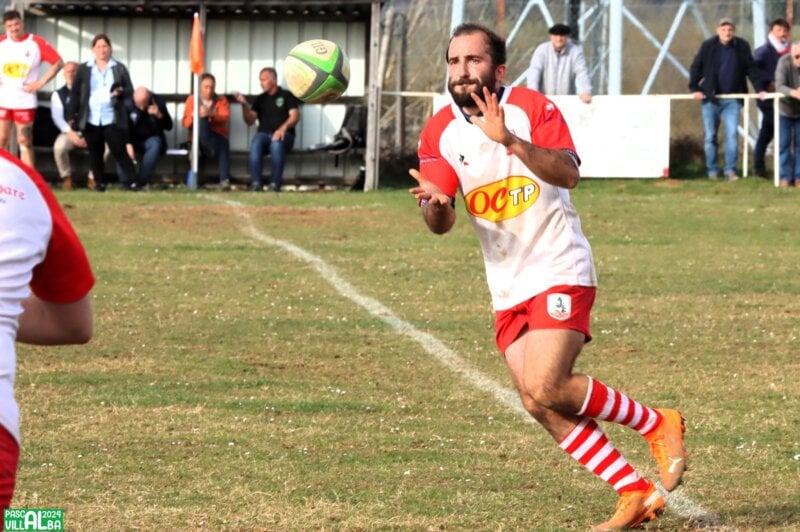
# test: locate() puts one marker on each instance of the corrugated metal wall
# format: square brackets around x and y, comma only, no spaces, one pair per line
[156,51]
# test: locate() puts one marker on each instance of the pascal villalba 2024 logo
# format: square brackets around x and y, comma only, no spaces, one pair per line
[27,519]
[502,200]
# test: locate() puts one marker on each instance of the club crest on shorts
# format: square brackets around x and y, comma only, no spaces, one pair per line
[559,306]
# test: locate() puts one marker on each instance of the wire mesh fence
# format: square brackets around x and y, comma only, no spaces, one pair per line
[659,40]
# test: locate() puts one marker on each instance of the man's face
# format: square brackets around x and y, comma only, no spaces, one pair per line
[779,32]
[796,55]
[267,80]
[207,87]
[14,28]
[469,65]
[69,73]
[725,33]
[559,41]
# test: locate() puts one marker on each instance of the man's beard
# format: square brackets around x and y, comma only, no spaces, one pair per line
[464,99]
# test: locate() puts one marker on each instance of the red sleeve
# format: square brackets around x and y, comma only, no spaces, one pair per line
[49,54]
[432,165]
[548,127]
[188,109]
[64,276]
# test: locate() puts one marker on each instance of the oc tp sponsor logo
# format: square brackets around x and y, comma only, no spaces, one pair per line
[502,200]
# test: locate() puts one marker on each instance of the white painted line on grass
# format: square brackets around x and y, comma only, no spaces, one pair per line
[682,505]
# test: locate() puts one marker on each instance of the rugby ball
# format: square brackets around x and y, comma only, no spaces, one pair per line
[317,71]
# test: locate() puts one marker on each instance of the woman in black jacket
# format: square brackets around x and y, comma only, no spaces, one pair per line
[96,110]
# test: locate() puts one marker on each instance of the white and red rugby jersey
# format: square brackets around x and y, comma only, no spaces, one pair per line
[39,251]
[19,64]
[529,230]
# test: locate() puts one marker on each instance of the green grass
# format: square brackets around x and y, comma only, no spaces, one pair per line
[229,386]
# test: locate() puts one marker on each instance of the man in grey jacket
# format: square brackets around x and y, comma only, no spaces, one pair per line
[558,66]
[787,82]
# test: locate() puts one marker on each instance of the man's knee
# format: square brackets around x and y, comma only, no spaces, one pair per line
[545,393]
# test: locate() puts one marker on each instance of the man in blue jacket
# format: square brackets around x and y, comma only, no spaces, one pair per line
[721,66]
[765,59]
[148,119]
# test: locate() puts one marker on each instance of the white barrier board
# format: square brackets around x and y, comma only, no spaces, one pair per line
[619,136]
[615,136]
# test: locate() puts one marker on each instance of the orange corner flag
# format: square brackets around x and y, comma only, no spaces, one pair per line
[196,58]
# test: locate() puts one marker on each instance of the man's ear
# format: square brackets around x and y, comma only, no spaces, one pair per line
[500,73]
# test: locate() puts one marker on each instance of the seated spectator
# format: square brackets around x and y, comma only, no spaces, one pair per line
[215,114]
[277,112]
[148,119]
[68,139]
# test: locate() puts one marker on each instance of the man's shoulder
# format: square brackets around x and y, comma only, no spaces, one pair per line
[439,121]
[542,49]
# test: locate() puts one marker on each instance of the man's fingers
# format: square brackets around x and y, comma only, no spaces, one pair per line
[413,172]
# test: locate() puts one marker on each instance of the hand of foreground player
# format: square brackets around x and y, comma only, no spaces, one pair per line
[427,192]
[493,121]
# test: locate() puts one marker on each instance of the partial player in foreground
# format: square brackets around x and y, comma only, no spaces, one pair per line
[45,279]
[510,152]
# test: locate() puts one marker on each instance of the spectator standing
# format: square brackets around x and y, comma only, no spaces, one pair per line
[21,55]
[96,111]
[215,114]
[721,66]
[148,119]
[277,112]
[45,280]
[558,66]
[512,143]
[765,60]
[787,82]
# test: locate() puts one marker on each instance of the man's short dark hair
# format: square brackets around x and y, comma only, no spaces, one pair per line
[559,29]
[497,45]
[271,70]
[782,22]
[11,14]
[207,75]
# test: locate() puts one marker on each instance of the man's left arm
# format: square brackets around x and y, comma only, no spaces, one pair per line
[583,83]
[222,110]
[749,68]
[291,121]
[49,55]
[165,120]
[553,166]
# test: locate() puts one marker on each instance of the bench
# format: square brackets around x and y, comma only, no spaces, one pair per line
[304,168]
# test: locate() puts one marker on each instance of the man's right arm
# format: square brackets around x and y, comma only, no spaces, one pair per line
[437,207]
[536,69]
[248,115]
[57,113]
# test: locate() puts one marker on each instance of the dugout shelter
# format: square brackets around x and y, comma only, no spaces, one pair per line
[151,37]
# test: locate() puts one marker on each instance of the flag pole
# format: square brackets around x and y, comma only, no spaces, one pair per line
[192,182]
[196,61]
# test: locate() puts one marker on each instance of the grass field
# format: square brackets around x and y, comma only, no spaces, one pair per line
[236,383]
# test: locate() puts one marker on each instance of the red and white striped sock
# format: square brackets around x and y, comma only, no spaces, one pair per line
[588,444]
[608,404]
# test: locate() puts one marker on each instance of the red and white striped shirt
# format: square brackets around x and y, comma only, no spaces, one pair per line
[529,230]
[19,64]
[39,252]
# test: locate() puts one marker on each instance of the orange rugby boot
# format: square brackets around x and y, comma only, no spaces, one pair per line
[666,446]
[634,508]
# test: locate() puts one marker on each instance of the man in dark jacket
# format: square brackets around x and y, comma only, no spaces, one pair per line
[148,119]
[765,59]
[721,66]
